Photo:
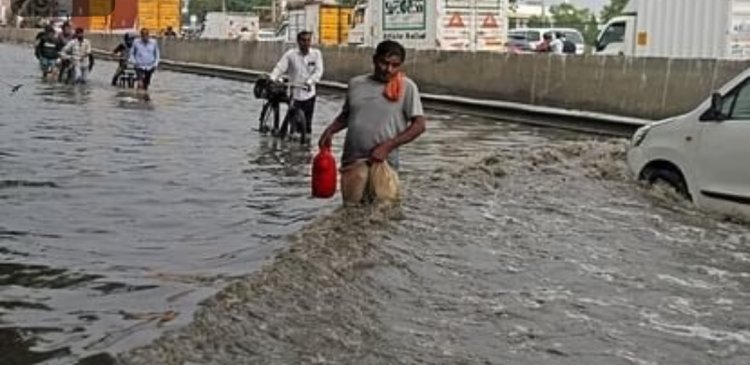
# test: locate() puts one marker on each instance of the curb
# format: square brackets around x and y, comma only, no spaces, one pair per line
[576,120]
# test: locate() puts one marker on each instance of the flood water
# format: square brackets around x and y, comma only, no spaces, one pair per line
[513,245]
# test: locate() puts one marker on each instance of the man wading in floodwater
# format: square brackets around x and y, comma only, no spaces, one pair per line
[382,111]
[303,65]
[144,55]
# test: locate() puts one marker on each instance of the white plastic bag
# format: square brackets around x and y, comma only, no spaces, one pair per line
[383,182]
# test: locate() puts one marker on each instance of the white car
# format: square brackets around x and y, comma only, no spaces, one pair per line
[705,153]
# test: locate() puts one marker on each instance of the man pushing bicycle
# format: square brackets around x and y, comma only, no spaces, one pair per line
[303,65]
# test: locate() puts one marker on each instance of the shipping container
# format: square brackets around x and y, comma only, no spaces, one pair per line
[79,18]
[99,13]
[148,14]
[157,15]
[170,14]
[679,29]
[465,25]
[125,15]
[333,26]
[328,22]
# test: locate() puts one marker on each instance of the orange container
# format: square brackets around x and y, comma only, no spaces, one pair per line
[80,18]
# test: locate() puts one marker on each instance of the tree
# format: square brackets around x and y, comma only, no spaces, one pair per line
[592,30]
[536,21]
[513,5]
[613,9]
[567,15]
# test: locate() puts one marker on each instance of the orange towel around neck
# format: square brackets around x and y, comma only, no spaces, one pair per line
[395,87]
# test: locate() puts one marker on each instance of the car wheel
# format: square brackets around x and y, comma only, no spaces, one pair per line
[670,177]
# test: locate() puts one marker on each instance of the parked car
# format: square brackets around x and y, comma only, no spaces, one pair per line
[518,43]
[521,38]
[704,154]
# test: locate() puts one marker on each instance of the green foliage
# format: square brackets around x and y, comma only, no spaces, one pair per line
[536,21]
[513,5]
[613,9]
[591,30]
[568,16]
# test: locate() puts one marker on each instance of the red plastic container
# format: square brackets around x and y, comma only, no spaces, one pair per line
[324,174]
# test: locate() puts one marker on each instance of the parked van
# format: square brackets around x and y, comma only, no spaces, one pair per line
[704,153]
[528,39]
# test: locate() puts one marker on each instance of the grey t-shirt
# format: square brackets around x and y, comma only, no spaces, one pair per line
[373,119]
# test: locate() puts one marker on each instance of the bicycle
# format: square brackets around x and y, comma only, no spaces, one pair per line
[126,76]
[276,93]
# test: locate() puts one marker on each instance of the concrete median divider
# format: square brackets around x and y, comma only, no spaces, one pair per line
[622,91]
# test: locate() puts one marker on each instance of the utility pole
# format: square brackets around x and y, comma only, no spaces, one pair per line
[273,11]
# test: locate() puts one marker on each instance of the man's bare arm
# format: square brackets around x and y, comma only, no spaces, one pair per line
[338,125]
[414,130]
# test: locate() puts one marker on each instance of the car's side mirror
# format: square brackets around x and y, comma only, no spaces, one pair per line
[716,102]
[714,113]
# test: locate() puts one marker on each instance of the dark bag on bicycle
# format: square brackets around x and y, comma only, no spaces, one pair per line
[268,89]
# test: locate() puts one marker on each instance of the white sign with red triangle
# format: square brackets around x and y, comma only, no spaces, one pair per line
[456,21]
[489,22]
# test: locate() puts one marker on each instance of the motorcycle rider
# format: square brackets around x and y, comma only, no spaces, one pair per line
[47,50]
[122,51]
[78,52]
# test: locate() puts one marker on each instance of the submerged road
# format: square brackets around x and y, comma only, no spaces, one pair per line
[514,245]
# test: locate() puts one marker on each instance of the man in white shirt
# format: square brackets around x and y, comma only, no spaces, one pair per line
[558,44]
[78,53]
[303,65]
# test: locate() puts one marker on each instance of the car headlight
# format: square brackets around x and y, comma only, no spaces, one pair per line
[639,136]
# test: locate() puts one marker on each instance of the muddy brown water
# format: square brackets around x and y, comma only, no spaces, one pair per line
[170,233]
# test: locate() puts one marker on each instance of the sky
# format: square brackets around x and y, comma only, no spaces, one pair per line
[595,5]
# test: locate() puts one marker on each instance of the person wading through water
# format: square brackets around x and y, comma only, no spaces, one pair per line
[144,55]
[80,56]
[303,65]
[66,36]
[382,112]
[122,51]
[47,51]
